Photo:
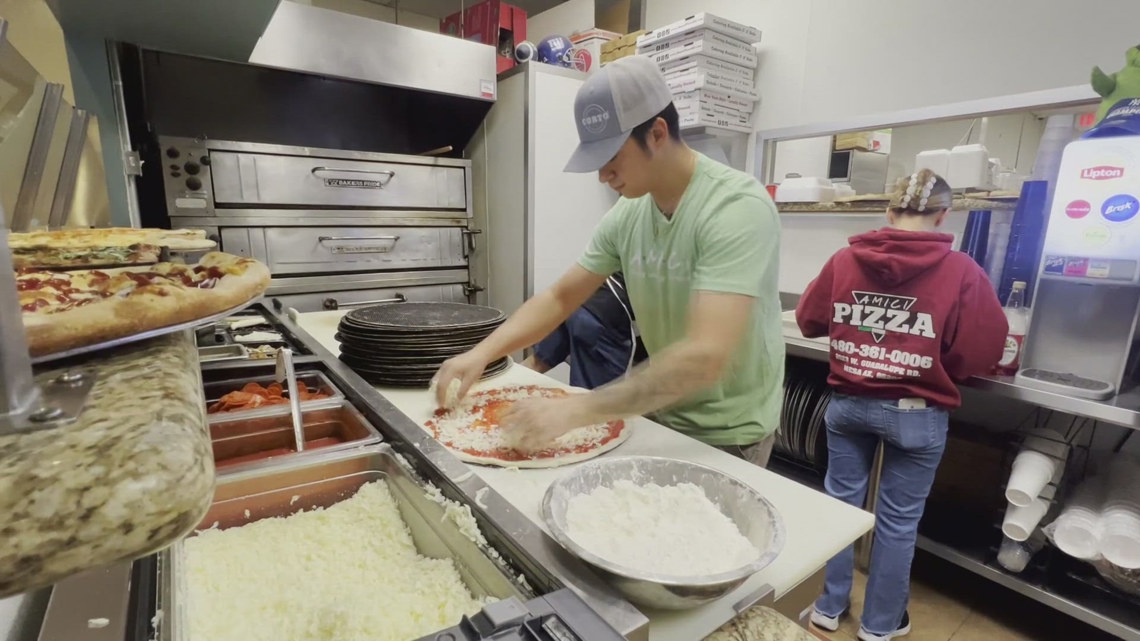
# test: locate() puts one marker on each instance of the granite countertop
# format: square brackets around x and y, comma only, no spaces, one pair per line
[132,474]
[865,205]
[760,623]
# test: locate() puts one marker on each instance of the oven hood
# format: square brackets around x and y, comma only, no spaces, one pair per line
[316,78]
[331,43]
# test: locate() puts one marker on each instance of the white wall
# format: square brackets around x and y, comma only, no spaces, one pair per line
[375,11]
[826,60]
[808,240]
[1013,138]
[562,20]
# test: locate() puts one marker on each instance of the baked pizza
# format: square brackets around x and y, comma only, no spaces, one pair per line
[101,247]
[64,310]
[473,432]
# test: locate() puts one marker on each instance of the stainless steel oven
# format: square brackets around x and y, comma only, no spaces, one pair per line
[335,227]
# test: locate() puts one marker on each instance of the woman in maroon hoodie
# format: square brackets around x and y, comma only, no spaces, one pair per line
[907,317]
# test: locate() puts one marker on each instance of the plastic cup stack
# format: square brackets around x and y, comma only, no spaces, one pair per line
[1077,532]
[1032,471]
[1021,521]
[1120,518]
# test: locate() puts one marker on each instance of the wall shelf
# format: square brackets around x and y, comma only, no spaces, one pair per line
[1085,610]
[878,207]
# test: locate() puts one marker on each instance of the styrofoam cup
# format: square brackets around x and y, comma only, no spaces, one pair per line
[1032,471]
[1021,521]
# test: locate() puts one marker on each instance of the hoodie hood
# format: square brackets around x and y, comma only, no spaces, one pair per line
[893,256]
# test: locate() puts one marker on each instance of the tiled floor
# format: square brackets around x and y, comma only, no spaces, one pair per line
[949,604]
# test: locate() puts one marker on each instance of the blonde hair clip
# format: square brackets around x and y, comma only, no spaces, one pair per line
[911,188]
[927,189]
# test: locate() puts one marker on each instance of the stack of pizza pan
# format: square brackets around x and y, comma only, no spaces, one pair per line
[404,344]
[803,433]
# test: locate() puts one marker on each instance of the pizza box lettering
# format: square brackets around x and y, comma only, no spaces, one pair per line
[704,118]
[702,20]
[694,81]
[710,66]
[709,44]
[724,101]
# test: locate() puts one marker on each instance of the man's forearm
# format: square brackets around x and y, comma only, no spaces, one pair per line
[678,372]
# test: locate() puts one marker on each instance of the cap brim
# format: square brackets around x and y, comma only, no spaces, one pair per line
[592,156]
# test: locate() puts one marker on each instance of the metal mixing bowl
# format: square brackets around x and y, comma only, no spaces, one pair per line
[756,518]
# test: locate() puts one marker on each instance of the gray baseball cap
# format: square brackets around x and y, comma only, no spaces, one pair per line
[619,97]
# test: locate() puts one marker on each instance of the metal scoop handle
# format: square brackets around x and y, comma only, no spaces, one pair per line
[286,374]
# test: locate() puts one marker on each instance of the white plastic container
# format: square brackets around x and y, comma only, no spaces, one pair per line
[805,190]
[969,167]
[936,160]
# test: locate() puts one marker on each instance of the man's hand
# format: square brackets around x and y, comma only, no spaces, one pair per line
[533,425]
[456,376]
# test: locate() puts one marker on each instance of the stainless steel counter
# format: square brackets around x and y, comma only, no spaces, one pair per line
[529,552]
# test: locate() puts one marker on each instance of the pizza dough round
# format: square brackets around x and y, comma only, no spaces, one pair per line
[473,404]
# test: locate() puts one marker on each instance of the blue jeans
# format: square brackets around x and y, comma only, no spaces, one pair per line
[598,354]
[913,443]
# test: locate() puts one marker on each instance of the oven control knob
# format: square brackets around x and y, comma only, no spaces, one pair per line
[192,168]
[172,152]
[205,160]
[193,184]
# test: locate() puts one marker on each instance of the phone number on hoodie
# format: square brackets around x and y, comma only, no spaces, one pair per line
[895,356]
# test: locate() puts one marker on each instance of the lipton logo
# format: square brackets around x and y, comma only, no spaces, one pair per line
[1102,172]
[594,119]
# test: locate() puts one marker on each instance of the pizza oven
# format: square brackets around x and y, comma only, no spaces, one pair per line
[334,227]
[346,179]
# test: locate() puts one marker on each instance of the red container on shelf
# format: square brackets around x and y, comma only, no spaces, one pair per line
[491,22]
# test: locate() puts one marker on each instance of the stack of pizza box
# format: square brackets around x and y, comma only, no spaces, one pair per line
[710,65]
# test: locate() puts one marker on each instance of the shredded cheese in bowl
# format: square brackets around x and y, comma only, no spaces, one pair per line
[672,530]
[349,572]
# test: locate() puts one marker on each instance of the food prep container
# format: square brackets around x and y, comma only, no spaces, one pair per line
[320,483]
[245,442]
[314,380]
[757,519]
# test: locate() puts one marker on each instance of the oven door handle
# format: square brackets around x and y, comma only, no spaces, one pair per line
[332,303]
[347,170]
[327,239]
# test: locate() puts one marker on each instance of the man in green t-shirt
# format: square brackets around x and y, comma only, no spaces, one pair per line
[698,243]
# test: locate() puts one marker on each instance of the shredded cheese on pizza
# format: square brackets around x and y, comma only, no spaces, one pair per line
[473,426]
[48,292]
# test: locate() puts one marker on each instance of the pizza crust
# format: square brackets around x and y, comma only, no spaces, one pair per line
[180,239]
[145,310]
[544,463]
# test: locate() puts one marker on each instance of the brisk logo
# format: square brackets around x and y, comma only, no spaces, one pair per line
[1102,172]
[882,313]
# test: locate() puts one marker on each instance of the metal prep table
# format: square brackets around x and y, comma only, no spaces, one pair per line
[132,596]
[817,526]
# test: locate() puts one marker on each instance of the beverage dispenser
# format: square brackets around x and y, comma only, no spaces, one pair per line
[1084,316]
